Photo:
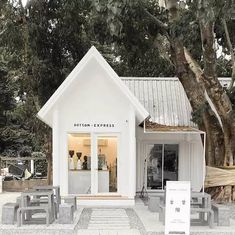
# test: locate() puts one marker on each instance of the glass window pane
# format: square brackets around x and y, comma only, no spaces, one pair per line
[170,162]
[107,164]
[154,167]
[79,163]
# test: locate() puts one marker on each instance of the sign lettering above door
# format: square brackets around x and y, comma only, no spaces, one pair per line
[94,125]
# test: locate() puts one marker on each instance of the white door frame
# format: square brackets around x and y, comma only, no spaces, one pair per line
[146,151]
[94,162]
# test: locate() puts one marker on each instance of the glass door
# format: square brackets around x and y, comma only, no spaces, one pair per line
[92,163]
[162,164]
[170,163]
[154,166]
[79,163]
[106,163]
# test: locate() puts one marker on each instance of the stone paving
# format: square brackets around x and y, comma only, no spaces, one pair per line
[152,225]
[137,220]
[108,221]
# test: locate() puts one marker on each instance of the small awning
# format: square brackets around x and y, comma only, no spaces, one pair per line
[152,127]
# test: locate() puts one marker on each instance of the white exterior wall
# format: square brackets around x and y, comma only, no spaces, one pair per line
[190,155]
[55,147]
[94,98]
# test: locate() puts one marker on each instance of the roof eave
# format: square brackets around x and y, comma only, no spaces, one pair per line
[55,96]
[43,119]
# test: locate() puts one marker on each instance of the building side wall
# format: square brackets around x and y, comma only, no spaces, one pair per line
[190,156]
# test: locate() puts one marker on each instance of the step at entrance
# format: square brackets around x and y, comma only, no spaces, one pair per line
[109,219]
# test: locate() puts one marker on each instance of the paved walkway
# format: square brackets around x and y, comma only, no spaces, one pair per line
[109,219]
[109,232]
[87,221]
[137,220]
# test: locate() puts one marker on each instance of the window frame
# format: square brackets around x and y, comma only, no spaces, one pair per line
[147,144]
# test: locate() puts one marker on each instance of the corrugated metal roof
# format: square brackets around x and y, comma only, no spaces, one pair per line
[164,99]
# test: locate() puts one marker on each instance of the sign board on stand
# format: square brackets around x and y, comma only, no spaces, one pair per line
[177,220]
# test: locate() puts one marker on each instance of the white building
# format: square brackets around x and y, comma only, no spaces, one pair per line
[105,147]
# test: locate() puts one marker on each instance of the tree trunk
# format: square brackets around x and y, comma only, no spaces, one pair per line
[49,159]
[228,142]
[195,93]
[213,87]
[214,139]
[219,127]
[232,53]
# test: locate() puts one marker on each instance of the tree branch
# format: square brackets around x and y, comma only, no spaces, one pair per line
[3,31]
[230,47]
[158,22]
[194,66]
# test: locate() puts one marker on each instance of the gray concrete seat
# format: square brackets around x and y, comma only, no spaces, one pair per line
[222,214]
[22,210]
[71,200]
[56,190]
[43,201]
[26,201]
[208,211]
[66,213]
[18,200]
[153,203]
[9,213]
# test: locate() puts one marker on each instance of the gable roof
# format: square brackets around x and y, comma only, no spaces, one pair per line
[45,113]
[164,98]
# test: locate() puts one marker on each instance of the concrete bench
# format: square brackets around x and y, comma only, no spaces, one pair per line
[56,190]
[153,203]
[22,210]
[18,200]
[71,200]
[43,202]
[66,213]
[9,213]
[26,201]
[208,211]
[222,214]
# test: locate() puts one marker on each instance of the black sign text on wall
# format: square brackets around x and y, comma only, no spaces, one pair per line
[94,125]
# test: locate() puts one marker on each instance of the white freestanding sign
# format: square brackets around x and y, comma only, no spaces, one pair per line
[177,220]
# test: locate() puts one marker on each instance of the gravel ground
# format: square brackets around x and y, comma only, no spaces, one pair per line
[84,218]
[232,210]
[135,221]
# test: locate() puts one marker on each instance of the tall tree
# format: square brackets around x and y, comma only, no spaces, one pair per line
[139,38]
[188,33]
